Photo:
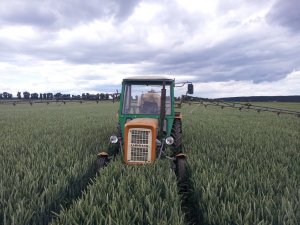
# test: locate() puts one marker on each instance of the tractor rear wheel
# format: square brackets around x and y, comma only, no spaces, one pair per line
[100,163]
[177,135]
[180,170]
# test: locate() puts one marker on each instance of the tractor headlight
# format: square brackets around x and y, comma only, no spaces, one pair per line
[113,139]
[169,140]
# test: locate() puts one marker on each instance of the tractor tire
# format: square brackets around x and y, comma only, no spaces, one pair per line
[176,133]
[100,163]
[180,170]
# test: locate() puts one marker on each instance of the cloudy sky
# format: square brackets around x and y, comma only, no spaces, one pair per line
[225,47]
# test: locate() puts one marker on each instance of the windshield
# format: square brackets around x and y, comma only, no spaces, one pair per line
[145,99]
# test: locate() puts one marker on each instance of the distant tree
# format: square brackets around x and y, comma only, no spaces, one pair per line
[34,96]
[7,95]
[77,97]
[1,96]
[41,96]
[58,96]
[106,96]
[26,95]
[19,95]
[49,96]
[66,96]
[102,96]
[93,97]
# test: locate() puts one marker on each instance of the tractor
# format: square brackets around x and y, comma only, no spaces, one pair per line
[148,126]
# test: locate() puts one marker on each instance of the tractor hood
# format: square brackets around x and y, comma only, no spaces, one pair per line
[143,122]
[147,123]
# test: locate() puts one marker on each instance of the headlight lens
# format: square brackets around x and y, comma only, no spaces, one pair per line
[113,139]
[169,140]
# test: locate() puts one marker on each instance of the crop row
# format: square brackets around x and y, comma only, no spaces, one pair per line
[128,195]
[244,167]
[46,157]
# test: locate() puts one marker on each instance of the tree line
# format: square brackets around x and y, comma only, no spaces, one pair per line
[60,96]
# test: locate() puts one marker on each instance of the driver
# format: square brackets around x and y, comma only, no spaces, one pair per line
[150,103]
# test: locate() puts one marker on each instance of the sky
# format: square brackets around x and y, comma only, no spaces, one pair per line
[225,47]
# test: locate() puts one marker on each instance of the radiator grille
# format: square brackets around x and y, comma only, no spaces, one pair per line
[139,145]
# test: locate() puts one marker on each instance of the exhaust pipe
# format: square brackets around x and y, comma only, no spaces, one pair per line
[162,110]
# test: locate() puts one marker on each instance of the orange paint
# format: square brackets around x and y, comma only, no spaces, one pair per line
[146,123]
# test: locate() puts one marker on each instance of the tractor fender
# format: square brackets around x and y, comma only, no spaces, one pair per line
[180,155]
[102,154]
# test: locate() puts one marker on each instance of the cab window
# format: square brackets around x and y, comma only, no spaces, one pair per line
[145,99]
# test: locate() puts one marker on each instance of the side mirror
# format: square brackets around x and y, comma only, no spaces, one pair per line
[190,89]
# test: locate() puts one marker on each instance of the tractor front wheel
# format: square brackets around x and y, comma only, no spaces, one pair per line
[100,163]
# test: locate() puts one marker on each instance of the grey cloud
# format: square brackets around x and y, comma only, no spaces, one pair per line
[59,14]
[125,8]
[286,13]
[231,61]
[257,57]
[29,16]
[225,6]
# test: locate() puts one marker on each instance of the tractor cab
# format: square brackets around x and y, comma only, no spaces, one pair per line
[144,98]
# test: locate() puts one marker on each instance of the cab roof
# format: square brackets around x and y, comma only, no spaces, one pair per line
[148,78]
